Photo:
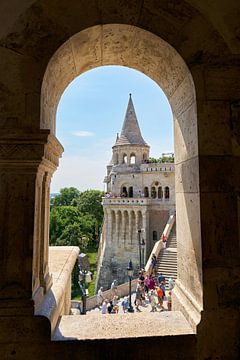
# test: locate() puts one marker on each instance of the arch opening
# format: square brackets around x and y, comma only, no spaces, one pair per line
[165,66]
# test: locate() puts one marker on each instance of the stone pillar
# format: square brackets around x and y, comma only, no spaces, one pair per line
[130,227]
[115,239]
[24,159]
[145,225]
[45,277]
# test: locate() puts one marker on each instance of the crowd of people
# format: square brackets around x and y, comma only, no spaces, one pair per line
[150,290]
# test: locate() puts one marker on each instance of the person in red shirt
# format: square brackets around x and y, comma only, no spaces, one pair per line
[160,297]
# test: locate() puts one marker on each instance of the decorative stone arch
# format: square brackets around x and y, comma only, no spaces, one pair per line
[130,191]
[130,46]
[124,158]
[166,193]
[160,192]
[153,192]
[146,192]
[132,159]
[124,190]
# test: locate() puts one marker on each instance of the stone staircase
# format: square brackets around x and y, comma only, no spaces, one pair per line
[167,259]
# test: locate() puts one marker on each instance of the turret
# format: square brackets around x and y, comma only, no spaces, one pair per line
[130,148]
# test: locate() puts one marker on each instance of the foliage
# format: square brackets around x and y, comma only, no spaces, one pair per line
[66,197]
[163,159]
[75,220]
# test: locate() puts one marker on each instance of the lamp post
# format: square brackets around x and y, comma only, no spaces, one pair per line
[130,275]
[141,244]
[84,278]
[82,285]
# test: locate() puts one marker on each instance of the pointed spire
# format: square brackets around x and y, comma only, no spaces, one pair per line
[131,133]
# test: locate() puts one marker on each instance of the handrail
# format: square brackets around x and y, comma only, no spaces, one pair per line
[159,244]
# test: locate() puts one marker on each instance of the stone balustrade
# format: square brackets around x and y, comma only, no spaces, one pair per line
[135,201]
[57,301]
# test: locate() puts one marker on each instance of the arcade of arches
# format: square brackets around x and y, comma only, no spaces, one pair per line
[44,46]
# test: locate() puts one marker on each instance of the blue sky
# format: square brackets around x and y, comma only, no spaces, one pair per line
[91,112]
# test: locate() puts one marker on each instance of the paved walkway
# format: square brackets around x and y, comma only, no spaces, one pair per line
[95,325]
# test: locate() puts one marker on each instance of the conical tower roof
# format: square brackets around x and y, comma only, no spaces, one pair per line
[131,133]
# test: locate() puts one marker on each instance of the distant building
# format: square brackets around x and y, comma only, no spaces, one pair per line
[139,198]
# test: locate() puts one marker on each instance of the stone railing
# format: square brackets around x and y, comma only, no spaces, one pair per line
[159,244]
[141,201]
[162,167]
[57,301]
[122,290]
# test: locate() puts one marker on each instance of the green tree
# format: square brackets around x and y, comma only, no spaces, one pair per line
[90,203]
[67,197]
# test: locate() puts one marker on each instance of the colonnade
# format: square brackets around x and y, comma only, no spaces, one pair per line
[122,225]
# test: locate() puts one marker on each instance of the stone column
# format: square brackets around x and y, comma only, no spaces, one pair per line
[24,159]
[117,227]
[130,227]
[45,277]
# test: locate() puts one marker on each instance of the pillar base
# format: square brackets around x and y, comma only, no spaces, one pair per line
[183,301]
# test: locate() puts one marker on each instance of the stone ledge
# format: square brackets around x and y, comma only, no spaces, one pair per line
[115,326]
[61,262]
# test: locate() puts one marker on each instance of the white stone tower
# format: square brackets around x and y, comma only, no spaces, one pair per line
[139,197]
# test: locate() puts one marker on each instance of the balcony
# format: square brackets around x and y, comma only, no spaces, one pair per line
[140,201]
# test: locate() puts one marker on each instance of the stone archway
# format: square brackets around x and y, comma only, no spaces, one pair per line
[136,48]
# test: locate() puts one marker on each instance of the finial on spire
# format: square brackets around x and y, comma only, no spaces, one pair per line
[130,95]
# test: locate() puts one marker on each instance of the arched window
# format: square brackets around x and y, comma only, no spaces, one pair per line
[130,191]
[124,192]
[154,235]
[146,192]
[132,159]
[124,159]
[153,192]
[166,192]
[160,193]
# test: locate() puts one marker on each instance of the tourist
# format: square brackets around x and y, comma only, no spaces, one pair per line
[104,306]
[160,297]
[161,279]
[154,264]
[169,301]
[152,299]
[162,286]
[164,240]
[100,297]
[125,304]
[151,283]
[115,305]
[138,299]
[114,289]
[141,278]
[146,284]
[110,307]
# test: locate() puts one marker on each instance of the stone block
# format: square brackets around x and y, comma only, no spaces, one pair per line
[186,135]
[187,176]
[214,128]
[86,48]
[219,229]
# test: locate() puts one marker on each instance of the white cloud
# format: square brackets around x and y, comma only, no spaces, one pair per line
[83,133]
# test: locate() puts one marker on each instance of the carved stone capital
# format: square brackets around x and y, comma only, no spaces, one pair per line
[26,149]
